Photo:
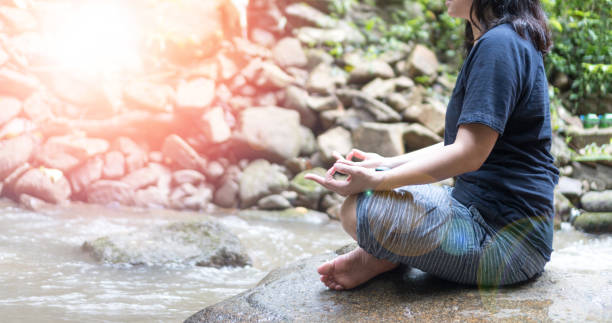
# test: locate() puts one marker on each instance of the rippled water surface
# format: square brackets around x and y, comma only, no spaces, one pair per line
[46,277]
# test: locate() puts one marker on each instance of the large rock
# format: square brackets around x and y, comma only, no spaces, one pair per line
[417,136]
[289,52]
[422,61]
[597,201]
[194,96]
[298,99]
[214,125]
[14,153]
[324,79]
[294,294]
[581,137]
[359,100]
[86,174]
[145,176]
[335,139]
[9,109]
[384,139]
[570,187]
[179,153]
[369,70]
[194,243]
[599,176]
[114,165]
[259,139]
[309,192]
[431,115]
[301,14]
[596,222]
[260,179]
[46,184]
[135,157]
[110,192]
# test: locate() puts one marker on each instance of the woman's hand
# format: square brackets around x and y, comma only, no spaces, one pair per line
[360,179]
[368,160]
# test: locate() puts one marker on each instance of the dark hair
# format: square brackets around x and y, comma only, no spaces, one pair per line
[526,17]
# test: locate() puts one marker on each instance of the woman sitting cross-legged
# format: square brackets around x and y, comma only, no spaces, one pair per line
[495,226]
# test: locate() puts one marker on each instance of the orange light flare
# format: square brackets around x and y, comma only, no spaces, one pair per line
[94,39]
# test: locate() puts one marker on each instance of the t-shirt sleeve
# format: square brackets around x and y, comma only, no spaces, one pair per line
[491,85]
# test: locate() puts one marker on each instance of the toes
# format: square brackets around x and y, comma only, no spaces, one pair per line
[326,269]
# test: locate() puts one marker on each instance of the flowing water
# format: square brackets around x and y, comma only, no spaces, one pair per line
[46,277]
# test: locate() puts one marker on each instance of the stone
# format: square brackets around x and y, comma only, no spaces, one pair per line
[297,99]
[570,187]
[417,136]
[32,203]
[8,187]
[78,145]
[257,139]
[227,194]
[16,127]
[195,95]
[597,201]
[594,222]
[148,95]
[319,36]
[335,139]
[49,185]
[380,111]
[261,179]
[274,202]
[55,159]
[179,153]
[135,157]
[86,174]
[214,125]
[379,88]
[288,52]
[383,139]
[273,77]
[107,192]
[309,142]
[309,192]
[298,164]
[432,115]
[40,107]
[228,68]
[187,176]
[9,109]
[151,197]
[199,199]
[114,165]
[298,214]
[599,176]
[563,206]
[14,152]
[145,176]
[17,84]
[214,170]
[369,70]
[325,78]
[322,103]
[560,150]
[301,14]
[422,62]
[583,137]
[317,56]
[17,20]
[204,243]
[263,37]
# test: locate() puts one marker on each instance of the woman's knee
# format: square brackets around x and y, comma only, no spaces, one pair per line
[348,209]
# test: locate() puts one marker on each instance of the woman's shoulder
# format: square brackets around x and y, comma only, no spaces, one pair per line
[505,37]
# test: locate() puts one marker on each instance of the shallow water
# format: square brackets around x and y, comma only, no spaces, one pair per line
[45,277]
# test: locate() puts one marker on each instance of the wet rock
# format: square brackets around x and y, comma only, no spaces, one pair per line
[187,176]
[114,165]
[571,188]
[148,95]
[17,84]
[597,201]
[46,184]
[359,100]
[309,192]
[259,139]
[298,214]
[335,139]
[194,96]
[179,153]
[260,179]
[86,174]
[206,244]
[369,70]
[422,61]
[383,139]
[417,136]
[595,222]
[214,125]
[9,109]
[15,152]
[289,52]
[108,192]
[297,99]
[274,202]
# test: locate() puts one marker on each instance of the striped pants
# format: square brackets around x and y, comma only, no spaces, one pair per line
[424,227]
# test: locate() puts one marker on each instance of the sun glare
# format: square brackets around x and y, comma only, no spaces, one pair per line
[95,38]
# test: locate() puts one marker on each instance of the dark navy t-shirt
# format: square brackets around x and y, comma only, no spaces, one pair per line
[503,85]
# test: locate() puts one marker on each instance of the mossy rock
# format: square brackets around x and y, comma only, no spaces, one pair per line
[597,222]
[204,243]
[307,187]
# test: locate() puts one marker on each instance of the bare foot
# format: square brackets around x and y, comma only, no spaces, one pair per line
[352,269]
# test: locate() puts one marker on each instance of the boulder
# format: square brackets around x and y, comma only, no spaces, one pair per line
[7,188]
[226,195]
[384,139]
[196,200]
[178,152]
[369,70]
[298,214]
[195,95]
[17,84]
[86,174]
[324,79]
[108,192]
[257,139]
[570,187]
[597,201]
[422,62]
[288,52]
[114,165]
[431,115]
[297,99]
[49,185]
[301,14]
[260,179]
[79,146]
[335,139]
[594,222]
[40,107]
[14,152]
[32,203]
[417,136]
[214,125]
[380,111]
[309,192]
[205,243]
[9,109]
[379,88]
[274,202]
[147,95]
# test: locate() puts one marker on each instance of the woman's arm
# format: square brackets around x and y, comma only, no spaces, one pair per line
[396,161]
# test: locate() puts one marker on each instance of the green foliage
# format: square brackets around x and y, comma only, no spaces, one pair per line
[582,50]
